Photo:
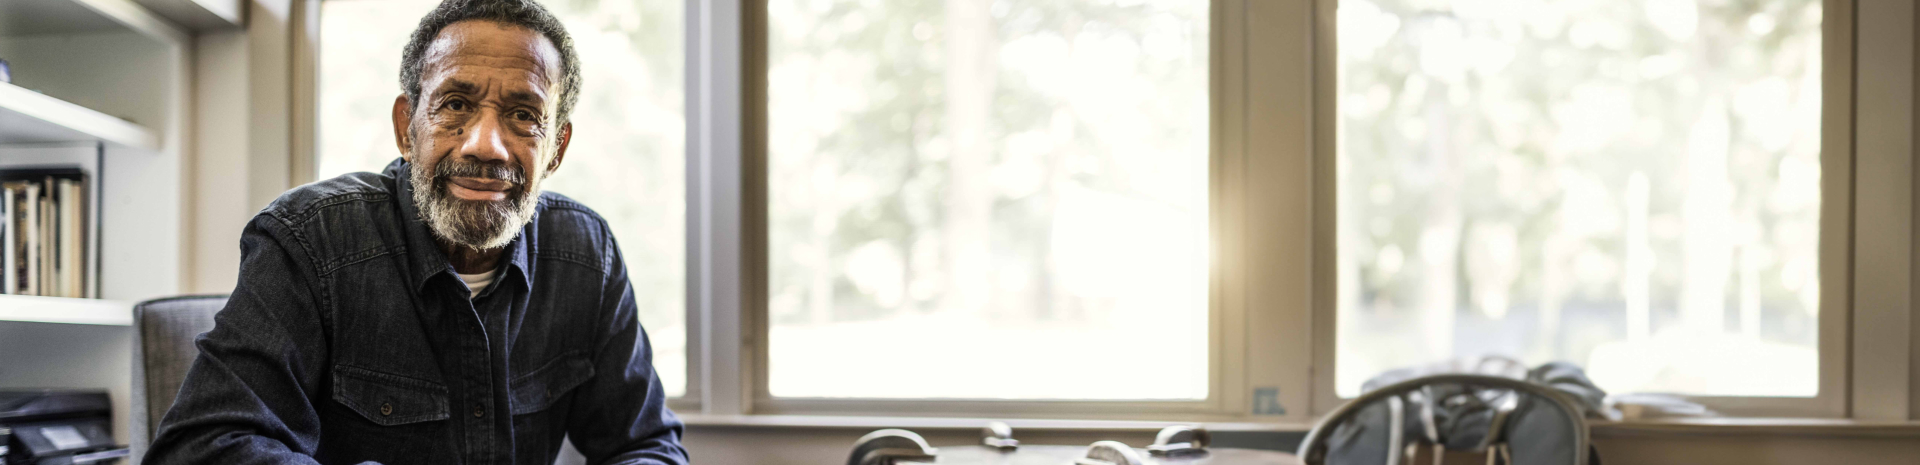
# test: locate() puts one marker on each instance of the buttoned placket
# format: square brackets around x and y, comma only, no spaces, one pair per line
[476,374]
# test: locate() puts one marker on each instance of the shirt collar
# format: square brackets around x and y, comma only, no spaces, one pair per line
[423,253]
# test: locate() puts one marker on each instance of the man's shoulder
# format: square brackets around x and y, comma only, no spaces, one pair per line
[351,189]
[569,229]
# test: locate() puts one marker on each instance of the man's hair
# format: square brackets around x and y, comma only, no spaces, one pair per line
[523,13]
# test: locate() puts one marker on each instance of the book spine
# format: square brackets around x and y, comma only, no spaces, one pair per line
[70,238]
[10,239]
[49,237]
[32,250]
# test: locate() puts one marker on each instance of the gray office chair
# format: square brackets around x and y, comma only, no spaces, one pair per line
[163,345]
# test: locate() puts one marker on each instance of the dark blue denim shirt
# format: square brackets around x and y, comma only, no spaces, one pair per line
[350,339]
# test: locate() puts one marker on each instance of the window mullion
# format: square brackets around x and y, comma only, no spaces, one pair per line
[1278,189]
[1883,235]
[715,213]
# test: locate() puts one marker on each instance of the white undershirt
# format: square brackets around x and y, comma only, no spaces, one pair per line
[478,282]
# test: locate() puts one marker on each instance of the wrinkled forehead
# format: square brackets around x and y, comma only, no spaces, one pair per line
[481,50]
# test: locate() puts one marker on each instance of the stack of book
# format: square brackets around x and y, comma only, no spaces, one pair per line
[43,226]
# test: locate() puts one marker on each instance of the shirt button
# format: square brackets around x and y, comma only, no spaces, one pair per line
[386,409]
[479,411]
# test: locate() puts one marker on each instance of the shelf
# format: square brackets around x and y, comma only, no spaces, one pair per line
[65,310]
[59,17]
[29,117]
[32,17]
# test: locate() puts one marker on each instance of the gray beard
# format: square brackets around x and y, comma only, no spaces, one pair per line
[479,225]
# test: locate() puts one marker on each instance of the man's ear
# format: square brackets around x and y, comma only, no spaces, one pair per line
[402,119]
[566,136]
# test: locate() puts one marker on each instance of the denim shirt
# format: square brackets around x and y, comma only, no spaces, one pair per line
[350,339]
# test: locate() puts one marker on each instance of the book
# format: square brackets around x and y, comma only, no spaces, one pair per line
[9,235]
[73,237]
[32,204]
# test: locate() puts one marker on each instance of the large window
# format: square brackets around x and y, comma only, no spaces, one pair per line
[988,199]
[1632,186]
[626,160]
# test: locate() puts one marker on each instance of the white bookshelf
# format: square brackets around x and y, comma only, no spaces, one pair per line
[100,84]
[30,309]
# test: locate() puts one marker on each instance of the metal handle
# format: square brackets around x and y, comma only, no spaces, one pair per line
[1110,453]
[1179,440]
[1000,436]
[890,447]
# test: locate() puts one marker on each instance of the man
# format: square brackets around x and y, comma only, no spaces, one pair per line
[445,310]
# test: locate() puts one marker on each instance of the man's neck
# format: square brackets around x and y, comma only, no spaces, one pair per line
[467,260]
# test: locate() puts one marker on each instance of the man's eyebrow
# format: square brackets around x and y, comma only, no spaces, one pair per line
[455,85]
[525,96]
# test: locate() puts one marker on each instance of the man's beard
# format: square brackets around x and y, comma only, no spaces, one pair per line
[476,224]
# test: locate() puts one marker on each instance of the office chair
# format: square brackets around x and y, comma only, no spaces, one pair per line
[1513,420]
[164,334]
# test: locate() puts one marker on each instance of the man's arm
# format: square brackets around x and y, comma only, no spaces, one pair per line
[621,416]
[245,400]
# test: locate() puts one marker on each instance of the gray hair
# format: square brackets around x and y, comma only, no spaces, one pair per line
[523,13]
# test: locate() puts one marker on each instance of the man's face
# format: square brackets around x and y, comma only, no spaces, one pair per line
[483,134]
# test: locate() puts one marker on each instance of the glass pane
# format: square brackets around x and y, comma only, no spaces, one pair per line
[988,199]
[1630,186]
[626,160]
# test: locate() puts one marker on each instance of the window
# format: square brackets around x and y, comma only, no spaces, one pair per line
[626,160]
[990,199]
[1632,186]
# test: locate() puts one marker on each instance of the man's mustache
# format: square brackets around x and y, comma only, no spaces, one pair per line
[448,169]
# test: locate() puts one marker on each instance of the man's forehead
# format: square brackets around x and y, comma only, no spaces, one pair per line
[471,44]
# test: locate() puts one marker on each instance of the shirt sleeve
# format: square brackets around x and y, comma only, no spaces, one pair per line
[246,399]
[621,416]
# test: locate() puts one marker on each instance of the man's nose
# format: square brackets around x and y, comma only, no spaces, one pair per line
[483,140]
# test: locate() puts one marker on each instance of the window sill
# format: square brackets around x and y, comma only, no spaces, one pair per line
[935,423]
[1830,427]
[1662,427]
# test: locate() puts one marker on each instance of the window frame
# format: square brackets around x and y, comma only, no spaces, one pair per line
[1837,228]
[1228,348]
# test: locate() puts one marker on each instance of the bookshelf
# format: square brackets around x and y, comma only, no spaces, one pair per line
[103,85]
[30,309]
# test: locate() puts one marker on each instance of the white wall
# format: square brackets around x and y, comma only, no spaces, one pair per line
[242,126]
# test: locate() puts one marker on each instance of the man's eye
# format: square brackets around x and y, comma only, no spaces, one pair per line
[524,115]
[457,105]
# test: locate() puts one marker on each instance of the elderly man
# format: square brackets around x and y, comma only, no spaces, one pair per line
[445,310]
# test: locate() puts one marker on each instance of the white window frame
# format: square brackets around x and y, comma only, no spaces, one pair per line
[1272,224]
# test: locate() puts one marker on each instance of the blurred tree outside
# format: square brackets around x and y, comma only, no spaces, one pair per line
[1007,196]
[1629,185]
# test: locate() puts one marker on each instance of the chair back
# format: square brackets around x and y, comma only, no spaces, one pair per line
[1528,423]
[167,328]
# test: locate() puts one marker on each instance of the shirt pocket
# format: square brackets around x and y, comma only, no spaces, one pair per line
[537,390]
[388,399]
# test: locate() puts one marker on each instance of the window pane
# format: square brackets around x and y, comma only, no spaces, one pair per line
[988,199]
[1631,186]
[626,160]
